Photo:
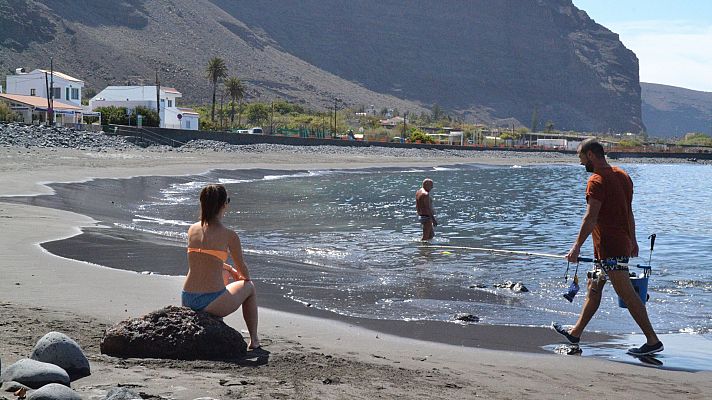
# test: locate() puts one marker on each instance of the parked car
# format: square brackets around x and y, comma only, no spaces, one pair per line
[256,131]
[245,131]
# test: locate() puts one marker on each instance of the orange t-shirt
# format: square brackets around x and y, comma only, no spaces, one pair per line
[611,235]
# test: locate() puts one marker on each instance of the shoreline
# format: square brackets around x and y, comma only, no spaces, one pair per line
[32,277]
[84,244]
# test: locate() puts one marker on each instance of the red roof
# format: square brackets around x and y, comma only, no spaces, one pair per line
[39,102]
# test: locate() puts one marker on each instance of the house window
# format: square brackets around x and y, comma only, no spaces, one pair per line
[33,92]
[170,103]
[75,93]
[56,93]
[67,92]
[187,124]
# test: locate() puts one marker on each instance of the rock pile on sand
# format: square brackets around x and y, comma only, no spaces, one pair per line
[20,135]
[177,333]
[55,362]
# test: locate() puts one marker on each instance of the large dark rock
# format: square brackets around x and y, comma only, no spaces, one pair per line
[34,374]
[59,349]
[174,333]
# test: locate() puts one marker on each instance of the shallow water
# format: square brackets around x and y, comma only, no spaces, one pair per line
[348,241]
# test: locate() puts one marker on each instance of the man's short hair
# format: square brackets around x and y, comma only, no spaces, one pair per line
[593,145]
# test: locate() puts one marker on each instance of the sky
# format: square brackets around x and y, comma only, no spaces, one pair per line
[672,39]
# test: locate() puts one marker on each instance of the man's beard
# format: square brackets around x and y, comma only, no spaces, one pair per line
[589,166]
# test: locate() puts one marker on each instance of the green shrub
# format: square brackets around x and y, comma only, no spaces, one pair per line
[150,116]
[697,139]
[113,115]
[6,113]
[630,143]
[418,135]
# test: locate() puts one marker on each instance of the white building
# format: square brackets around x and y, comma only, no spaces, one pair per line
[133,96]
[34,109]
[64,87]
[562,144]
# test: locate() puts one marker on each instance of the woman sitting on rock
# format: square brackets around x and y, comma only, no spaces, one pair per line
[207,286]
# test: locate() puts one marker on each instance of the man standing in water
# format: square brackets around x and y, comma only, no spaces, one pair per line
[609,217]
[424,206]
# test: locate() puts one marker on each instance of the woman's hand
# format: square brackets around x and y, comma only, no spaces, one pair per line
[235,274]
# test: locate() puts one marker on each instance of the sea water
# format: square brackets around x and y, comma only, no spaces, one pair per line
[348,241]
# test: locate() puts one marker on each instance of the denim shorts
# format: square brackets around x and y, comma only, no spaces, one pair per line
[198,301]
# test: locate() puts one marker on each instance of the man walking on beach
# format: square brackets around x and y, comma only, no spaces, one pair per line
[424,206]
[609,217]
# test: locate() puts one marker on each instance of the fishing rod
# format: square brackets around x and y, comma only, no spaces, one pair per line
[489,250]
[526,253]
[640,283]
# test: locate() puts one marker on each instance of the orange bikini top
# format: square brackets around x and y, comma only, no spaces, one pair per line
[221,254]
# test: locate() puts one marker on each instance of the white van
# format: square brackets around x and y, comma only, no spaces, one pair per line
[255,131]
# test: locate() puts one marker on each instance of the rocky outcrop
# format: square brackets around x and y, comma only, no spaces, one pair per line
[486,60]
[506,58]
[174,333]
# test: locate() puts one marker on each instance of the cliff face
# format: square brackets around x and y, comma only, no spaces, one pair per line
[483,59]
[670,111]
[506,57]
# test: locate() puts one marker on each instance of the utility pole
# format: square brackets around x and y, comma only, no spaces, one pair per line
[222,113]
[271,120]
[47,92]
[158,98]
[50,112]
[333,133]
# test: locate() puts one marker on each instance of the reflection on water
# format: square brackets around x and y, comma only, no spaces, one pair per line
[682,351]
[348,241]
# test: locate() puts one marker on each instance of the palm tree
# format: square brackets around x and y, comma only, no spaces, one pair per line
[216,70]
[236,90]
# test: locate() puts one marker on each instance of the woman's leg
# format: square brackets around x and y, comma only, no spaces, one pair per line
[240,293]
[249,313]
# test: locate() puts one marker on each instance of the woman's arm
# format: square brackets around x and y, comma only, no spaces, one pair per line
[235,248]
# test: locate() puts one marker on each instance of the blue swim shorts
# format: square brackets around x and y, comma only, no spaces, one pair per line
[198,301]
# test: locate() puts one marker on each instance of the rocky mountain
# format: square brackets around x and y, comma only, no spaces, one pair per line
[487,61]
[670,111]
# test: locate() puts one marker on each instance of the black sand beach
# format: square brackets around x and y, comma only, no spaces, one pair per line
[309,357]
